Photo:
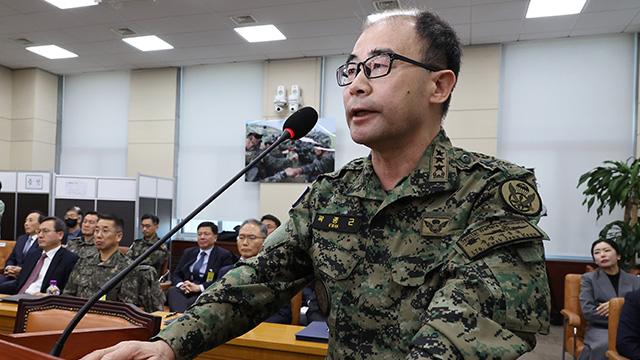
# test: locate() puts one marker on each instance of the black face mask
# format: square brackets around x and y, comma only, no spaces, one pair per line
[71,222]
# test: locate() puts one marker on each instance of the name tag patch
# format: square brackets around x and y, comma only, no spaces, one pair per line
[341,223]
[489,236]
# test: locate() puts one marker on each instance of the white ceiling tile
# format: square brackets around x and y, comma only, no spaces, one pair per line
[544,35]
[459,15]
[597,31]
[20,24]
[499,11]
[496,28]
[600,5]
[442,4]
[202,32]
[617,18]
[5,11]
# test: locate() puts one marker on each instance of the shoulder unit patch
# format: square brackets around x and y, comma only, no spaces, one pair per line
[486,237]
[520,197]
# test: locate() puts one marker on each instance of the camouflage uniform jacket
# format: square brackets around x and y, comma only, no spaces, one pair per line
[81,247]
[140,287]
[448,264]
[156,259]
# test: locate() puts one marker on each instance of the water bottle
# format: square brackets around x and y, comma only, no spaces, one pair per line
[53,288]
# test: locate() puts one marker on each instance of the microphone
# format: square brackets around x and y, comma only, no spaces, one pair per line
[295,127]
[298,124]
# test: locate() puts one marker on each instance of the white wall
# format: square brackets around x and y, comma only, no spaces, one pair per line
[333,107]
[95,124]
[566,106]
[217,101]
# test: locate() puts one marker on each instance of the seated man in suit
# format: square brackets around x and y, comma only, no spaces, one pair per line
[24,244]
[628,336]
[53,262]
[250,238]
[198,268]
[140,287]
[84,245]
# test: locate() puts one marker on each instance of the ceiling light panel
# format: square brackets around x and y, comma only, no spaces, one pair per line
[52,52]
[148,43]
[260,33]
[70,4]
[545,8]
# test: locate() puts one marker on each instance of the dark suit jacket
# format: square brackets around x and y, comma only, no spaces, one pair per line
[17,256]
[628,338]
[219,257]
[596,288]
[59,270]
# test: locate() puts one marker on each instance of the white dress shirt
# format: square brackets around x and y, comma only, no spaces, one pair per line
[37,283]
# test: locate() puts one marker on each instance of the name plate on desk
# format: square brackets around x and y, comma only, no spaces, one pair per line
[317,331]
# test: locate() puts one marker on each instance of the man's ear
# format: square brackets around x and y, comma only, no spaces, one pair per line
[444,81]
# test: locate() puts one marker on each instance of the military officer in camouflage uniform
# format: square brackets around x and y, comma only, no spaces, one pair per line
[252,149]
[421,250]
[158,258]
[84,245]
[140,287]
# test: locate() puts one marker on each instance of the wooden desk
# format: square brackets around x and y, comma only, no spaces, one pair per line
[266,341]
[7,316]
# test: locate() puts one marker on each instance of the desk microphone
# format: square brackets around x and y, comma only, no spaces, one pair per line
[295,127]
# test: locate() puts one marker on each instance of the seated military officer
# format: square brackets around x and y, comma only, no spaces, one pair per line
[140,287]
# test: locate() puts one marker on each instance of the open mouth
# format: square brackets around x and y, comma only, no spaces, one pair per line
[362,112]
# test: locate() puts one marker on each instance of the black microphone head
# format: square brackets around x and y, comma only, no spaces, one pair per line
[301,122]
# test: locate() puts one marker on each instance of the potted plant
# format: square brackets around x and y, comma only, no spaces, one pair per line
[616,184]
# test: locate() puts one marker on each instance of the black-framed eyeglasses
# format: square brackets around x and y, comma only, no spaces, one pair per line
[376,66]
[250,237]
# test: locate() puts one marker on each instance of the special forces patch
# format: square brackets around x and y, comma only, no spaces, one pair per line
[486,237]
[520,197]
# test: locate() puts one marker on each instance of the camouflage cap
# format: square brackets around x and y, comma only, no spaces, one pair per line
[321,139]
[256,130]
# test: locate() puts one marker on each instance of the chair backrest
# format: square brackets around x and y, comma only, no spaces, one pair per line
[296,304]
[615,306]
[6,247]
[55,313]
[572,303]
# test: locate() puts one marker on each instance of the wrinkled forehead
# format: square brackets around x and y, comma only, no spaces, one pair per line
[388,35]
[249,229]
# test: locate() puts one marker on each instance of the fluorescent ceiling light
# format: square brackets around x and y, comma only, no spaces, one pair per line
[148,43]
[543,8]
[260,33]
[70,4]
[52,51]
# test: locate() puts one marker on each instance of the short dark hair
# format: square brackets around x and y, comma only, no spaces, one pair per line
[90,212]
[118,222]
[154,219]
[608,241]
[272,218]
[258,223]
[74,208]
[213,226]
[58,223]
[441,45]
[41,215]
